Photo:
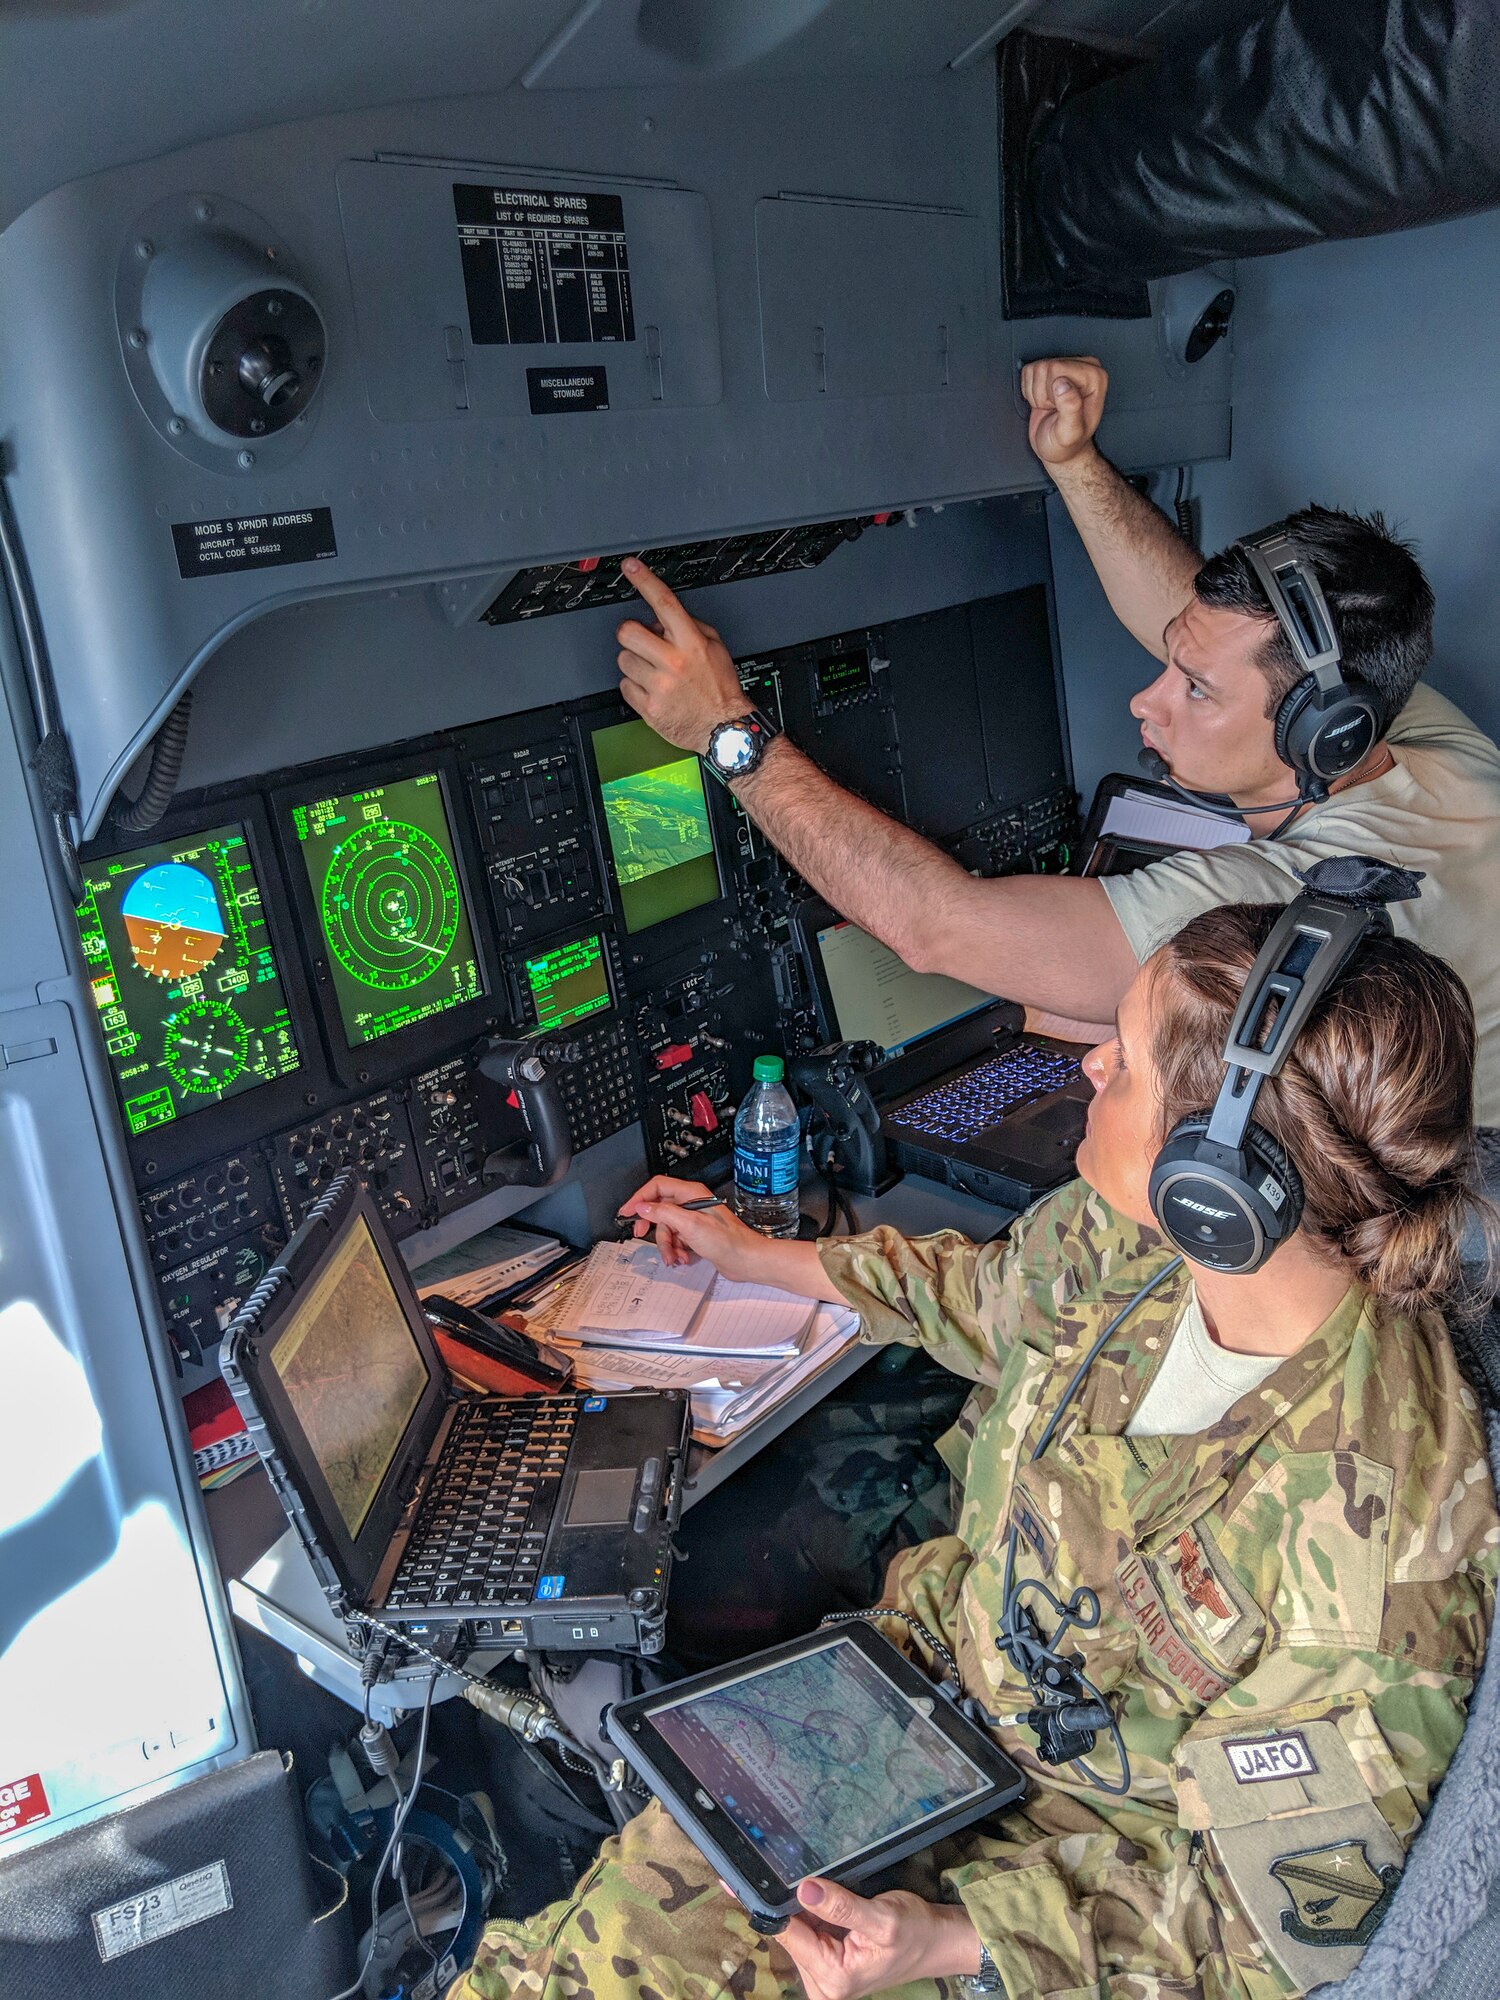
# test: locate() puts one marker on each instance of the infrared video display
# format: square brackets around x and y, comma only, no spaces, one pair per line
[657,819]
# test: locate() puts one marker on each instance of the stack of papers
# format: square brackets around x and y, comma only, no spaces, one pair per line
[631,1322]
[625,1296]
[1169,823]
[496,1260]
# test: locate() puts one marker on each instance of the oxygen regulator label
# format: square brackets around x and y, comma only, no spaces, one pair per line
[253,541]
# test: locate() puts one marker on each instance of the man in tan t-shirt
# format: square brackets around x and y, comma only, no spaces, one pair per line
[1427,796]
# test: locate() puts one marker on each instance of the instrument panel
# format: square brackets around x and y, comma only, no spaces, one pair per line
[297,975]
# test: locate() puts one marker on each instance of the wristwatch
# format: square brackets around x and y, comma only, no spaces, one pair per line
[736,747]
[987,1979]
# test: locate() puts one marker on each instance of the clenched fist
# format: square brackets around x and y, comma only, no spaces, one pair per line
[1067,400]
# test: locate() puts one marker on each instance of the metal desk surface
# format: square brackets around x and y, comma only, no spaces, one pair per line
[278,1595]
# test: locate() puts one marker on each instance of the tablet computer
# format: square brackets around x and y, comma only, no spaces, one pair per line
[832,1756]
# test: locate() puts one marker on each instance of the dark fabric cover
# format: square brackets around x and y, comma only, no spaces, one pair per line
[246,1816]
[1319,119]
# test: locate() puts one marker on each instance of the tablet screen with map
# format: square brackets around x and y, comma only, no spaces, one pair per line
[656,816]
[811,1760]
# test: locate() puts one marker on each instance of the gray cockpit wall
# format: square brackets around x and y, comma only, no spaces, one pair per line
[812,203]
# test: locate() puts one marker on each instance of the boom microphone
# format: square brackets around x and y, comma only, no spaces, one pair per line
[1157,768]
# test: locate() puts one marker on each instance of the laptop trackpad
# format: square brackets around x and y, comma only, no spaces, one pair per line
[601,1497]
[1043,1134]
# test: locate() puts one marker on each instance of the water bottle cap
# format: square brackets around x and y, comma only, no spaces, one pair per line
[768,1069]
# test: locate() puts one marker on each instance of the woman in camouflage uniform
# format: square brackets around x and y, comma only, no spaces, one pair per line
[1276,1483]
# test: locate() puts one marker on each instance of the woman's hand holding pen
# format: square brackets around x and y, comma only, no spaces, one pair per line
[717,1234]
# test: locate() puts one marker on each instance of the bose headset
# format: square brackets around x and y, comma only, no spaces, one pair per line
[1328,722]
[1222,1189]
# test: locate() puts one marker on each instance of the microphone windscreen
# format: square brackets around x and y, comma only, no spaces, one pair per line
[1154,765]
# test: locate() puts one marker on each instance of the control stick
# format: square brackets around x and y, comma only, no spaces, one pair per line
[832,1080]
[522,1068]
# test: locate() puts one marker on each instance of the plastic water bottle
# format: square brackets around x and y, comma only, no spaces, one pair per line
[767,1152]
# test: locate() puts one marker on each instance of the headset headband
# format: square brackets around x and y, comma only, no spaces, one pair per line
[1301,608]
[1342,903]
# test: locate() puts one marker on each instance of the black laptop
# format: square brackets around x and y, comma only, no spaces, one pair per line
[537,1521]
[965,1094]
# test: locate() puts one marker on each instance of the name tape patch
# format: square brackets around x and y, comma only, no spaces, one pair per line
[1269,1758]
[22,1802]
[172,1906]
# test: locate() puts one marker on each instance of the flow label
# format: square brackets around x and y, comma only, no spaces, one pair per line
[253,541]
[22,1802]
[555,391]
[174,1906]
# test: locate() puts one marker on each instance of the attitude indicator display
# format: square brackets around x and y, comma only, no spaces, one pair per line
[184,975]
[384,874]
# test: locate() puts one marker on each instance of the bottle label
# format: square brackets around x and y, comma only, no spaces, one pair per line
[767,1173]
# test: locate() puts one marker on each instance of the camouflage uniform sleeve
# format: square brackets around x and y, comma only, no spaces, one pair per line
[1298,1795]
[964,1302]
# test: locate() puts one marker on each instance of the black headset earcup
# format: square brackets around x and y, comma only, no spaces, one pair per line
[1222,1208]
[1326,737]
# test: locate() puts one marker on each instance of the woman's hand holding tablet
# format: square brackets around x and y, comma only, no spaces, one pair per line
[831,1757]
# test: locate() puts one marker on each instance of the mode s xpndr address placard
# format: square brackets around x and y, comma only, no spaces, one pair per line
[184,975]
[543,268]
[383,870]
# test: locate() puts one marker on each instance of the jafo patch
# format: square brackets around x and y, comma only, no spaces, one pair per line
[1267,1758]
[22,1803]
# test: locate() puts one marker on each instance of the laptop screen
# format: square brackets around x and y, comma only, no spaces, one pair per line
[876,996]
[351,1372]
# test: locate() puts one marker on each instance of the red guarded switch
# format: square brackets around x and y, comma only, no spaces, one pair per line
[675,1056]
[701,1108]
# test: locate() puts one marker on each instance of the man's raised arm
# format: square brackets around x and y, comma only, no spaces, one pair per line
[1050,942]
[1147,569]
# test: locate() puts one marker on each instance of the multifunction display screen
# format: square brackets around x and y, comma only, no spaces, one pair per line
[843,673]
[384,875]
[657,819]
[568,983]
[184,975]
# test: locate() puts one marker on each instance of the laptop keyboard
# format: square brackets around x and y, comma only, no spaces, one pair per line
[971,1102]
[480,1533]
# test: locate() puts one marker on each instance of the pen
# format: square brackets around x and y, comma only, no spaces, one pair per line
[705,1201]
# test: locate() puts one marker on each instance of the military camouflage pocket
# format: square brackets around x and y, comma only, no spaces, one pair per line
[1301,1824]
[1198,1624]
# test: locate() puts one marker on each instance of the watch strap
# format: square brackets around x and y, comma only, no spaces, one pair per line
[987,1979]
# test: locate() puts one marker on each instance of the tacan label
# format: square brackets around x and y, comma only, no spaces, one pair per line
[172,1906]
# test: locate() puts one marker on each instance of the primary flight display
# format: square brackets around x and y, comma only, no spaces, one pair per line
[184,975]
[383,871]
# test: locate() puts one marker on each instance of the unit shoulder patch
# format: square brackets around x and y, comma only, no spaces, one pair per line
[1338,1898]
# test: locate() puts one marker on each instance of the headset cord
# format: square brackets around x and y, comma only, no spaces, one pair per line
[392,1846]
[1027,1652]
[912,1624]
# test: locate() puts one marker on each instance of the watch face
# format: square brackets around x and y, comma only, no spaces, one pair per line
[733,747]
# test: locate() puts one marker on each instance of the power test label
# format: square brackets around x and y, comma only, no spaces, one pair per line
[173,1906]
[22,1803]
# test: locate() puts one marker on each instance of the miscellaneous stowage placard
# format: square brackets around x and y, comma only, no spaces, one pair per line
[554,390]
[542,269]
[254,541]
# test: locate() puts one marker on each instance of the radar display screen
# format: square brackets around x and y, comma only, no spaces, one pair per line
[843,673]
[184,975]
[568,983]
[384,876]
[657,818]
